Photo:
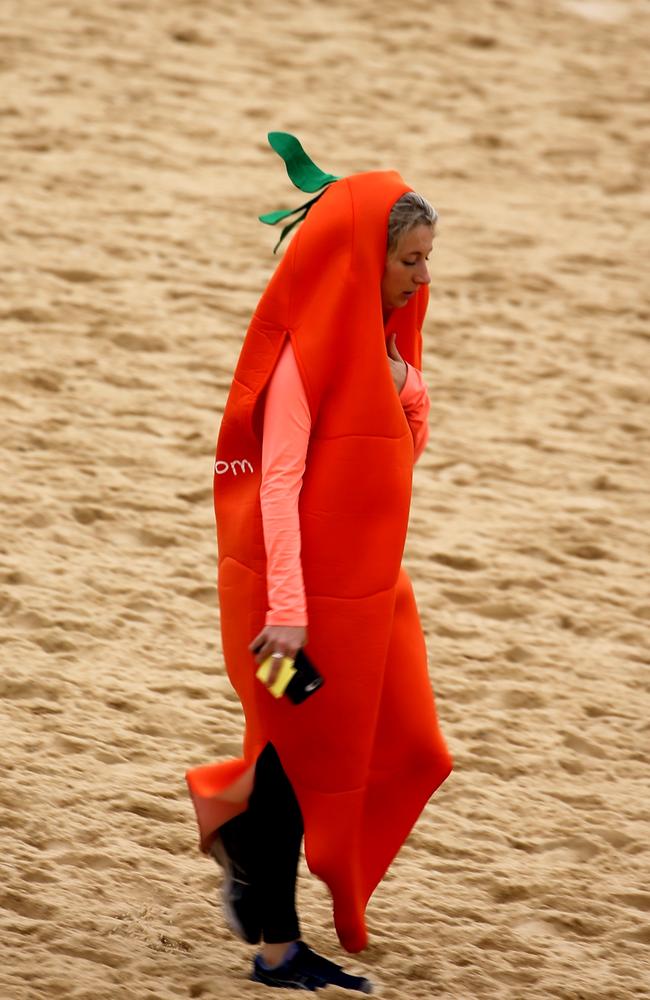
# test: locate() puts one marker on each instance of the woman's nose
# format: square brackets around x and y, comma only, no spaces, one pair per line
[422,275]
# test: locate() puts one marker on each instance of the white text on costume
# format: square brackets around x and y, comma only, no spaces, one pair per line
[221,467]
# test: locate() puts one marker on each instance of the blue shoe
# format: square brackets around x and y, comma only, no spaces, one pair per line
[238,897]
[306,970]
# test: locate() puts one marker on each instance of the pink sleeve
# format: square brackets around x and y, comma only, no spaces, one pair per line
[415,400]
[287,426]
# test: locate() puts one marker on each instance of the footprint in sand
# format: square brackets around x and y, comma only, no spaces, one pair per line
[518,654]
[637,900]
[642,935]
[502,610]
[571,849]
[138,342]
[510,892]
[583,746]
[27,906]
[88,515]
[76,275]
[457,561]
[28,314]
[42,378]
[520,698]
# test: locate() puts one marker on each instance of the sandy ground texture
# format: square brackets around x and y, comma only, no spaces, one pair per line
[134,163]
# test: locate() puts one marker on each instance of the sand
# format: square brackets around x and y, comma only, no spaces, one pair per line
[134,163]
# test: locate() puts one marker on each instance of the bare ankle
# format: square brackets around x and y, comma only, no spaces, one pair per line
[273,954]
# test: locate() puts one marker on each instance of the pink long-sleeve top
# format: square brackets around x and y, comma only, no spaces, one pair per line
[286,430]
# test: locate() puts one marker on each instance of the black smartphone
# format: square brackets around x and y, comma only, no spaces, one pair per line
[306,680]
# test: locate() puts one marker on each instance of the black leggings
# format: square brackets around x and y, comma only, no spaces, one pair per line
[265,840]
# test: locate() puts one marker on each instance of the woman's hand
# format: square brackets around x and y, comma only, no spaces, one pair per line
[285,639]
[397,363]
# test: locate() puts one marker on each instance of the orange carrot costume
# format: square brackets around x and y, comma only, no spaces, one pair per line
[365,753]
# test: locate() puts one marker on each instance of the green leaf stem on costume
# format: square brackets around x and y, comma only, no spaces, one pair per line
[287,229]
[270,218]
[303,173]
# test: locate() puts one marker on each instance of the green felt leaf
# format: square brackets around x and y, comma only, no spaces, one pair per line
[303,173]
[271,218]
[302,170]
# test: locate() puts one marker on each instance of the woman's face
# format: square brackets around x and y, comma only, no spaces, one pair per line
[406,267]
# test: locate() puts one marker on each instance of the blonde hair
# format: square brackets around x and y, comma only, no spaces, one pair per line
[408,211]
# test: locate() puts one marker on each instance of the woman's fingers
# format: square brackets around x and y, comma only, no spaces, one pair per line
[264,644]
[265,651]
[276,663]
[281,639]
[262,647]
[277,656]
[257,641]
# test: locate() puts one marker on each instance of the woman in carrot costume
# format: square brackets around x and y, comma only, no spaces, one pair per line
[326,416]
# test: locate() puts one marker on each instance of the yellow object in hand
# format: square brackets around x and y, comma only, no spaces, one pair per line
[285,673]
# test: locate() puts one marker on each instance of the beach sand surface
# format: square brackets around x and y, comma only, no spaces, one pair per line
[133,166]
